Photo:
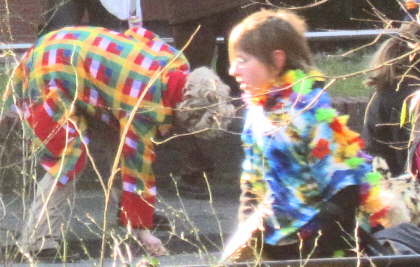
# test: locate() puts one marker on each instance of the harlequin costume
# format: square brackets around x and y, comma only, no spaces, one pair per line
[299,155]
[104,74]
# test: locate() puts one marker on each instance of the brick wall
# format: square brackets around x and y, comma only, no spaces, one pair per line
[19,20]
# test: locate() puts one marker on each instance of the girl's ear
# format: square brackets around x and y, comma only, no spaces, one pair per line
[279,58]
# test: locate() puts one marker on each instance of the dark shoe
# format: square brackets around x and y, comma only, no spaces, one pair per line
[56,256]
[200,192]
[13,254]
[9,253]
[161,223]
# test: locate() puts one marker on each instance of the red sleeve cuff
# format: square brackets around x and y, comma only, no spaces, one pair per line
[173,93]
[136,211]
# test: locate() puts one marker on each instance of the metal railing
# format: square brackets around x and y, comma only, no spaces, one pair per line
[378,261]
[315,36]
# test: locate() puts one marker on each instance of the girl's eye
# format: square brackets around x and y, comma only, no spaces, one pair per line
[240,61]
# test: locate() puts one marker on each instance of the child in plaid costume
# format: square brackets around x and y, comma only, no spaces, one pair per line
[102,73]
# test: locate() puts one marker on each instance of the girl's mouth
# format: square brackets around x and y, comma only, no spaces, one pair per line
[243,86]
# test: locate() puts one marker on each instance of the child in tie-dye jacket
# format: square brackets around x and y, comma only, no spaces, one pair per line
[304,174]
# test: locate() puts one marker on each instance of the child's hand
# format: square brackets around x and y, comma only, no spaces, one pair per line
[248,203]
[151,244]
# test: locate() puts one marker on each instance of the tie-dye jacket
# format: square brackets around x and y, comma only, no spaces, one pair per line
[298,154]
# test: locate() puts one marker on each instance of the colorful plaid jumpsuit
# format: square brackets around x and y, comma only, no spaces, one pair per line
[104,74]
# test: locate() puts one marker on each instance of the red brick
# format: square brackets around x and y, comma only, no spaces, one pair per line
[24,16]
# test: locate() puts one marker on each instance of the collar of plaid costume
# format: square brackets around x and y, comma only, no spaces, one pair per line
[174,93]
[299,153]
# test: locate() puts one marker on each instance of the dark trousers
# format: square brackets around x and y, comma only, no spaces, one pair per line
[197,158]
[336,222]
[62,13]
[202,52]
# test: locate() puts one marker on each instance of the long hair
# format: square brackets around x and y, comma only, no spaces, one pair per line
[397,58]
[206,108]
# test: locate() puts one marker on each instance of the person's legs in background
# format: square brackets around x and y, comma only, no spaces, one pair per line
[202,49]
[195,154]
[196,161]
[227,20]
[62,13]
[46,219]
[200,52]
[100,17]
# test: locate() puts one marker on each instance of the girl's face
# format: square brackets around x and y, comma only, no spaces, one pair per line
[254,76]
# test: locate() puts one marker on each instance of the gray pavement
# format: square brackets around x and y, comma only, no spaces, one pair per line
[199,227]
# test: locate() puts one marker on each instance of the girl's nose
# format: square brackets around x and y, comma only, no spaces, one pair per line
[233,68]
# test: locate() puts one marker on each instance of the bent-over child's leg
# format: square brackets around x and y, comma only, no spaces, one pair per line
[46,218]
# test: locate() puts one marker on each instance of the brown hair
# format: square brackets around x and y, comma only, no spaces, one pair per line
[395,59]
[264,32]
